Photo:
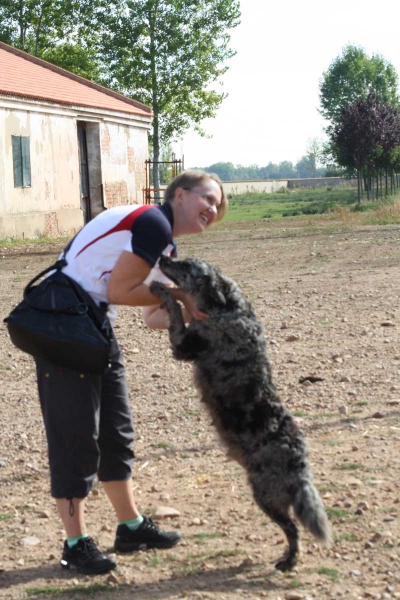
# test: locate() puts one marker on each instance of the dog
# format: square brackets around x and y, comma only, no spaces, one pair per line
[233,375]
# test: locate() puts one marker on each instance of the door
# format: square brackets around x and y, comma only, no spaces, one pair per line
[84,172]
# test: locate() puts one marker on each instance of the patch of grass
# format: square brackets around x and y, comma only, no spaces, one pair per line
[154,561]
[334,512]
[362,403]
[347,537]
[299,413]
[295,584]
[25,478]
[10,241]
[82,590]
[330,487]
[389,509]
[191,413]
[255,206]
[4,517]
[331,573]
[351,467]
[164,446]
[205,536]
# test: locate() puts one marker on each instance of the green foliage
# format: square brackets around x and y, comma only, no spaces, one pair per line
[304,168]
[333,574]
[61,32]
[169,55]
[354,75]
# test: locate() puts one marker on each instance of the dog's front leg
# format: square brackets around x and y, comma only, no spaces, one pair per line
[185,343]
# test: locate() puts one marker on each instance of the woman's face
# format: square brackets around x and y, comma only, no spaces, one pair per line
[198,205]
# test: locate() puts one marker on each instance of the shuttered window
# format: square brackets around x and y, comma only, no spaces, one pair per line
[21,161]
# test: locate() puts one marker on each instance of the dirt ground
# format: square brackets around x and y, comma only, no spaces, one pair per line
[329,301]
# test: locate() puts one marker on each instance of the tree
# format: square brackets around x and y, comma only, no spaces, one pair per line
[60,31]
[367,138]
[354,75]
[168,54]
[314,154]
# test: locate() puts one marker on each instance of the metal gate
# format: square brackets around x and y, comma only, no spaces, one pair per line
[150,193]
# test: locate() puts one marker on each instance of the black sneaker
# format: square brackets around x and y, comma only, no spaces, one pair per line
[86,558]
[147,535]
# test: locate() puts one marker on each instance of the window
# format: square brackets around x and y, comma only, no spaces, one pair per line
[21,160]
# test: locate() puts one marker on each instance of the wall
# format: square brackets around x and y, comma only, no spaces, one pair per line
[124,150]
[267,187]
[51,205]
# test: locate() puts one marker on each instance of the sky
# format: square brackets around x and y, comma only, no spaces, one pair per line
[283,47]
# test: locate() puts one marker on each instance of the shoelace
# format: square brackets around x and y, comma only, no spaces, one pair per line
[90,548]
[149,524]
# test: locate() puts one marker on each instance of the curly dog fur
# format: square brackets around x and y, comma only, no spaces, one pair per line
[233,375]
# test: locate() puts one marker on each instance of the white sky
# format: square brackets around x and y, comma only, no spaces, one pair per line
[283,47]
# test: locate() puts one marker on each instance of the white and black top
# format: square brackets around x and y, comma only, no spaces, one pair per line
[145,230]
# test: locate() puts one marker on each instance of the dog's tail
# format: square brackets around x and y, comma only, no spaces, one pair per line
[309,509]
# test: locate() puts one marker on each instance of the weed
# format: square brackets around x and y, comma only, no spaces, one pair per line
[295,584]
[347,537]
[331,573]
[204,536]
[334,512]
[363,403]
[299,413]
[351,467]
[164,446]
[154,561]
[4,517]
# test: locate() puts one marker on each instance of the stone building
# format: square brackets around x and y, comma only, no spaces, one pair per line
[69,148]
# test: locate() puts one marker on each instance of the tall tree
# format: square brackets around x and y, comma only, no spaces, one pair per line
[60,31]
[354,75]
[168,54]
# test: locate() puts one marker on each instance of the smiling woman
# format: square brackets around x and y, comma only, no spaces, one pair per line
[89,429]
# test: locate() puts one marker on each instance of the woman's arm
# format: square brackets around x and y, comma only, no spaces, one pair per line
[126,288]
[126,285]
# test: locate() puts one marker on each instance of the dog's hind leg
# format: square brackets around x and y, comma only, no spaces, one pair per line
[281,517]
[289,559]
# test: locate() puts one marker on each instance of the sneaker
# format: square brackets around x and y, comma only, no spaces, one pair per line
[147,535]
[86,558]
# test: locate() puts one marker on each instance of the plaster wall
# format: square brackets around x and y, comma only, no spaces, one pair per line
[34,210]
[123,152]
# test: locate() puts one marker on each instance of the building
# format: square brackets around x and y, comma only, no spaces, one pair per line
[69,148]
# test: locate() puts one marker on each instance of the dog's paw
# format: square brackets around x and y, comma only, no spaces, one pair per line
[159,289]
[285,564]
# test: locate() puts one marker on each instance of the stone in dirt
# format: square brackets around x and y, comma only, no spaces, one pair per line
[165,512]
[31,540]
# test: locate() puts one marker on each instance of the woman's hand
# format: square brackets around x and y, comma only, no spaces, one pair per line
[190,306]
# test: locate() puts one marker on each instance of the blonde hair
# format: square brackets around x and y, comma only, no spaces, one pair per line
[191,178]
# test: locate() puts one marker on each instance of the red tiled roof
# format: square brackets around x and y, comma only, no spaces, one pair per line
[26,76]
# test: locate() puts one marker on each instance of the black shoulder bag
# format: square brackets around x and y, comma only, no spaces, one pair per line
[60,323]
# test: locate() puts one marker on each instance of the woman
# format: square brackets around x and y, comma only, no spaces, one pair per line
[87,417]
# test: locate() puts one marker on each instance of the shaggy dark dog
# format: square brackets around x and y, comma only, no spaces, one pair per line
[233,375]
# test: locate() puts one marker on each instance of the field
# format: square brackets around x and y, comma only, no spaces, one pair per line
[292,203]
[327,289]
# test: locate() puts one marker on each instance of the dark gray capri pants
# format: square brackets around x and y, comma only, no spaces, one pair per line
[89,426]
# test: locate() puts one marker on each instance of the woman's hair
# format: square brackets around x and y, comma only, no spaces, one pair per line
[189,179]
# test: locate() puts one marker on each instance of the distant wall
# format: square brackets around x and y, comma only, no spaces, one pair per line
[321,182]
[270,186]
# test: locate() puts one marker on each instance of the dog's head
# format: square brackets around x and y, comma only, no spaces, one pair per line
[210,289]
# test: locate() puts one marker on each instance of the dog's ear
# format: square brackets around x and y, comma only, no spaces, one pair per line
[216,294]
